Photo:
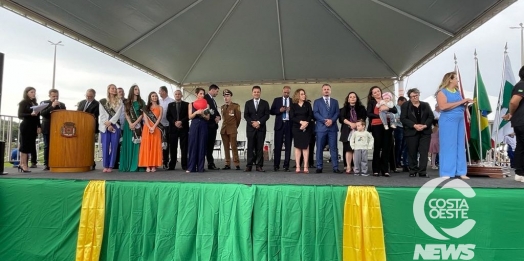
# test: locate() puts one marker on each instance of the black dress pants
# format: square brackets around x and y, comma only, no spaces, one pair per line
[418,148]
[211,138]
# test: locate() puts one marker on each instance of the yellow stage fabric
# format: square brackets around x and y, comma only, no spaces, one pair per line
[363,235]
[91,228]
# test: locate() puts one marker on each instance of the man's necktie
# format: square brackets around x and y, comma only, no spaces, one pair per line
[87,105]
[284,115]
[256,105]
[177,111]
[327,103]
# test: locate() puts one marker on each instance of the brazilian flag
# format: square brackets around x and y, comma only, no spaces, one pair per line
[480,138]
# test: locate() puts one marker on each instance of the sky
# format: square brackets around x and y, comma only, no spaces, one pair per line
[29,61]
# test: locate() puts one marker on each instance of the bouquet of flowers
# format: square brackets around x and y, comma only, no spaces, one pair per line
[137,134]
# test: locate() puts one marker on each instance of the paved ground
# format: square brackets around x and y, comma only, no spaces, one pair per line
[268,177]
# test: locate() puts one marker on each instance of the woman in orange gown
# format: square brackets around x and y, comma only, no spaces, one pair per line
[150,155]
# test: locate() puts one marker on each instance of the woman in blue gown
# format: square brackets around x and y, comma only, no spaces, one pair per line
[451,123]
[197,133]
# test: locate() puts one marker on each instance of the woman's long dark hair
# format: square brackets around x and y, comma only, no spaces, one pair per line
[357,104]
[347,106]
[197,90]
[25,97]
[370,94]
[131,97]
[150,102]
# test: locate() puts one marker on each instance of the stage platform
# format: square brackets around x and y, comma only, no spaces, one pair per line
[269,177]
[234,215]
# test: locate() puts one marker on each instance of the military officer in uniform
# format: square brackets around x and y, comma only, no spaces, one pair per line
[231,120]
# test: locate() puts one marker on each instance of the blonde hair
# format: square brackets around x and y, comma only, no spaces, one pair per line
[446,80]
[112,99]
[296,95]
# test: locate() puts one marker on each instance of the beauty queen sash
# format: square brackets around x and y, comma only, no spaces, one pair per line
[151,116]
[137,132]
[110,111]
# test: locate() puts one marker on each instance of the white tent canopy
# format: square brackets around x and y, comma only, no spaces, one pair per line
[195,42]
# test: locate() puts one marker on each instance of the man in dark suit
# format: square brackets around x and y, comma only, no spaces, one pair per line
[400,144]
[280,108]
[164,100]
[326,112]
[312,142]
[90,105]
[178,118]
[212,125]
[417,119]
[52,105]
[256,114]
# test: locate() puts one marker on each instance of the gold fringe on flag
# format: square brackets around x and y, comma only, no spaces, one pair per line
[363,235]
[91,228]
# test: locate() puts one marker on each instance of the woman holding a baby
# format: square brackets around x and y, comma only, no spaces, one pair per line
[380,105]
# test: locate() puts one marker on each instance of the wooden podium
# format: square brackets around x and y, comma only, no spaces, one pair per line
[72,141]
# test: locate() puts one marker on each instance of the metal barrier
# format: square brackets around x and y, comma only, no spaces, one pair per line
[10,133]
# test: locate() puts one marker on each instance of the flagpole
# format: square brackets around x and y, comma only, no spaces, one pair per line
[499,107]
[476,103]
[465,118]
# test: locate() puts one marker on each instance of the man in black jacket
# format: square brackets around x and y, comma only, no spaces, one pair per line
[52,105]
[417,119]
[280,108]
[212,125]
[515,114]
[90,105]
[256,114]
[177,115]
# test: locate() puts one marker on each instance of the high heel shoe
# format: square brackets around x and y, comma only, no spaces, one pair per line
[20,169]
[306,170]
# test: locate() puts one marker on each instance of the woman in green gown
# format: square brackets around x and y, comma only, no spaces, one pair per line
[132,129]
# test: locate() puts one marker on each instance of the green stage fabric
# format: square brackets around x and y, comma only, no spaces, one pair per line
[39,219]
[498,233]
[186,221]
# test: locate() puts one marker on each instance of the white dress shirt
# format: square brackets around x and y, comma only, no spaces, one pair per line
[286,104]
[164,103]
[327,99]
[511,142]
[436,115]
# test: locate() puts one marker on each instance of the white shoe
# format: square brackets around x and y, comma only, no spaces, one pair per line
[386,127]
[445,177]
[393,126]
[434,167]
[519,178]
[464,177]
